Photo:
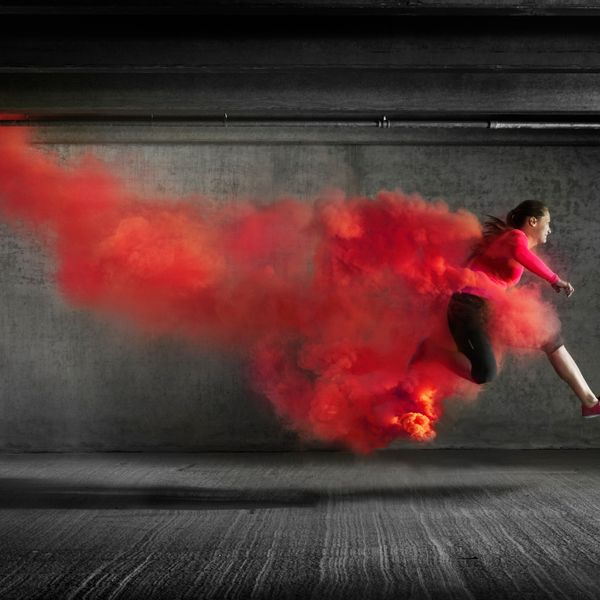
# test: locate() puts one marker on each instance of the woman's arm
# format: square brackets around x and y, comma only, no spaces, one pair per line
[533,263]
[522,254]
[563,285]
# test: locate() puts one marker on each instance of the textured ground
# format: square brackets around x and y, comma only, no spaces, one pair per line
[424,524]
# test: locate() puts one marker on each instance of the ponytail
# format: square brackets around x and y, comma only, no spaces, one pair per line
[515,219]
[492,228]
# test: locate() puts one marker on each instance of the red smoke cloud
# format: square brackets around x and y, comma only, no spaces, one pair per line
[329,299]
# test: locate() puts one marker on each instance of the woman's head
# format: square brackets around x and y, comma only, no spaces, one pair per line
[532,217]
[518,216]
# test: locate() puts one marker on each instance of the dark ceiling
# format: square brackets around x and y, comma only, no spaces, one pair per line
[380,8]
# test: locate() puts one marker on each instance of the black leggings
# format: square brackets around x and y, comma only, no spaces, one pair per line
[467,319]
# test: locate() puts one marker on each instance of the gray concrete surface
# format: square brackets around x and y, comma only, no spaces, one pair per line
[441,524]
[70,380]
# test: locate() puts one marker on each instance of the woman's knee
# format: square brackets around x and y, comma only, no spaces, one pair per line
[552,346]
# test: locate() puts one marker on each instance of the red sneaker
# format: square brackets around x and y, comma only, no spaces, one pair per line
[590,412]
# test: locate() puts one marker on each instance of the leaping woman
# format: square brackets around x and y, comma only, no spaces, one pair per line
[502,255]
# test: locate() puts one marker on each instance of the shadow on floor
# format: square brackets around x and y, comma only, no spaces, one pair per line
[34,493]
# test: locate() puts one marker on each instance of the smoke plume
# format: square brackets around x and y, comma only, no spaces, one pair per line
[328,299]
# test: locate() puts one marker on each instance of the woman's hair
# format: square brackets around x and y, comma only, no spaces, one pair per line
[515,219]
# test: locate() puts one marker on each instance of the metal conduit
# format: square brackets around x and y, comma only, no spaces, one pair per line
[226,120]
[382,122]
[542,125]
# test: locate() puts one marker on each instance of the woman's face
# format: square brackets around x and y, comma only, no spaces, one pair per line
[542,228]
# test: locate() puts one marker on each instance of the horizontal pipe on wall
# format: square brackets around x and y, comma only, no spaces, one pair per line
[377,130]
[543,125]
[226,120]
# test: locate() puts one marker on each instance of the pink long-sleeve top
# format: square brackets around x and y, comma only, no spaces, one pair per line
[505,259]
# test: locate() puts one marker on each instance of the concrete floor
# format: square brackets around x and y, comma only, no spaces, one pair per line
[406,524]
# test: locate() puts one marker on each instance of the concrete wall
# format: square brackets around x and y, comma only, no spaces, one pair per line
[71,380]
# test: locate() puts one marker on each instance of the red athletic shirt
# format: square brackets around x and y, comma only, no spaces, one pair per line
[505,259]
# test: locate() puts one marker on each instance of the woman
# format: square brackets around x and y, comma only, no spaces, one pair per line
[502,256]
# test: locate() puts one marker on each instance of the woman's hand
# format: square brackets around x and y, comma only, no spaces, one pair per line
[563,285]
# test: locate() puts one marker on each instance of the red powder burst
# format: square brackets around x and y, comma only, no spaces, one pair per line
[329,299]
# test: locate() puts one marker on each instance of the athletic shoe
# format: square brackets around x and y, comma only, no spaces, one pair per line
[590,412]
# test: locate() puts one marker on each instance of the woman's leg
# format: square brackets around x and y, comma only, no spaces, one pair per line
[467,320]
[569,372]
[453,360]
[474,357]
